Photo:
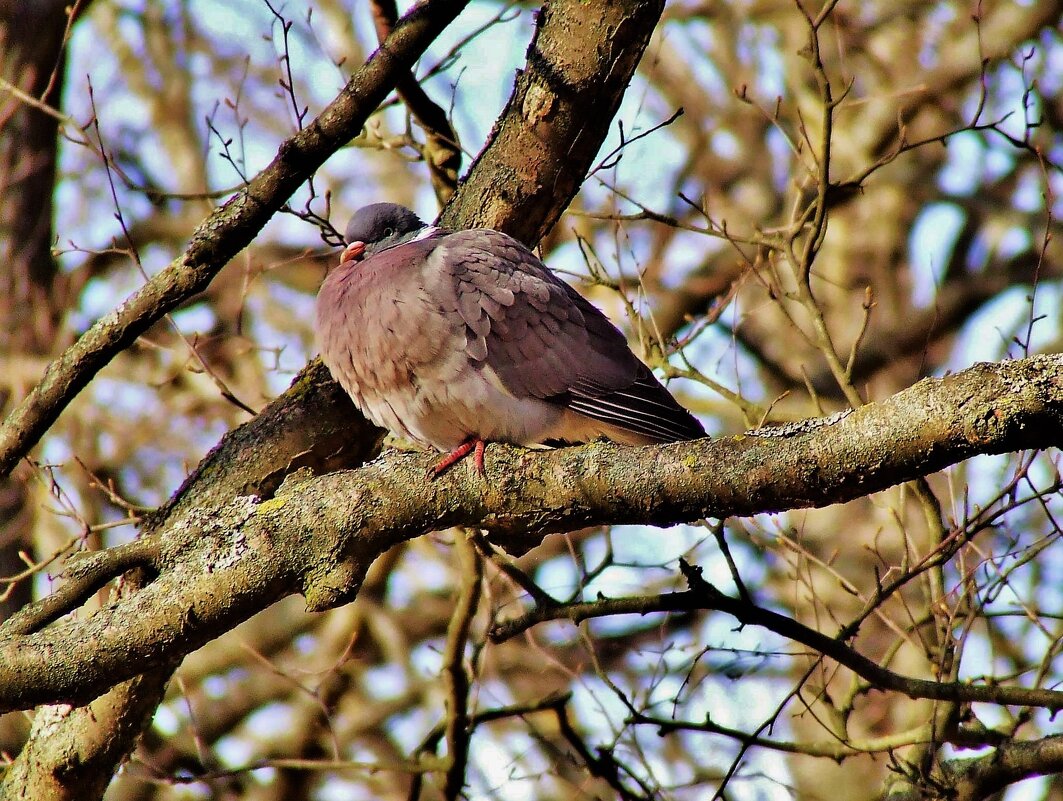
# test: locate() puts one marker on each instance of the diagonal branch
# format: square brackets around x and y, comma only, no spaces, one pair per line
[442,153]
[225,232]
[705,597]
[313,425]
[557,117]
[318,535]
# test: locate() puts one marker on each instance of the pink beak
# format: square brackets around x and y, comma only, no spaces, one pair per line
[353,252]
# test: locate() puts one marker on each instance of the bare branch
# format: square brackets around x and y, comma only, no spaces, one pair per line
[318,535]
[229,229]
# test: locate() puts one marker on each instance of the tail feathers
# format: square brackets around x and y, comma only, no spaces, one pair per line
[644,408]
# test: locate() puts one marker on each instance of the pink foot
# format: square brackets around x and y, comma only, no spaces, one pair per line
[473,444]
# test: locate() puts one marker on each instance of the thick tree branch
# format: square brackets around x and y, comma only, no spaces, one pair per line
[560,111]
[314,424]
[225,232]
[86,573]
[319,535]
[88,742]
[75,755]
[985,776]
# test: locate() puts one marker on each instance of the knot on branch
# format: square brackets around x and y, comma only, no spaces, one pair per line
[326,586]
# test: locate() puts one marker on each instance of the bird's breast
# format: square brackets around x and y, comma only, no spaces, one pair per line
[403,361]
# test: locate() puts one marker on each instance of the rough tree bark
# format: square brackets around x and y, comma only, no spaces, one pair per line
[318,535]
[313,424]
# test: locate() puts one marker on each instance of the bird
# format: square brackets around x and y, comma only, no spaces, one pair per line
[456,338]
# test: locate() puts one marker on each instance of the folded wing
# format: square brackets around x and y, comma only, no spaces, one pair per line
[544,340]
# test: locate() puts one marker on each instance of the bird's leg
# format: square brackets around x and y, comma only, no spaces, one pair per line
[472,444]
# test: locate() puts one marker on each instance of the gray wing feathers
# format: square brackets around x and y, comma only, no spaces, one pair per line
[543,339]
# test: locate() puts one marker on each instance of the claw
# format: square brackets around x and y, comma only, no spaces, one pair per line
[472,444]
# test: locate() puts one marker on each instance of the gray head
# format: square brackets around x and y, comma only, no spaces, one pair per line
[381,226]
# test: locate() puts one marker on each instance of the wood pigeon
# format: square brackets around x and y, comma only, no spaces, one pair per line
[456,338]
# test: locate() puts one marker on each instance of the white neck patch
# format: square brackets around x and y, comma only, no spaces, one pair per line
[428,233]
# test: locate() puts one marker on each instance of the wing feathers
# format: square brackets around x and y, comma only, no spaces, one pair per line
[543,339]
[648,410]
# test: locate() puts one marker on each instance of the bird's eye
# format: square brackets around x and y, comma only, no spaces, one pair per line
[388,232]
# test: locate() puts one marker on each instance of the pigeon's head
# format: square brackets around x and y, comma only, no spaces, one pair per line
[378,227]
